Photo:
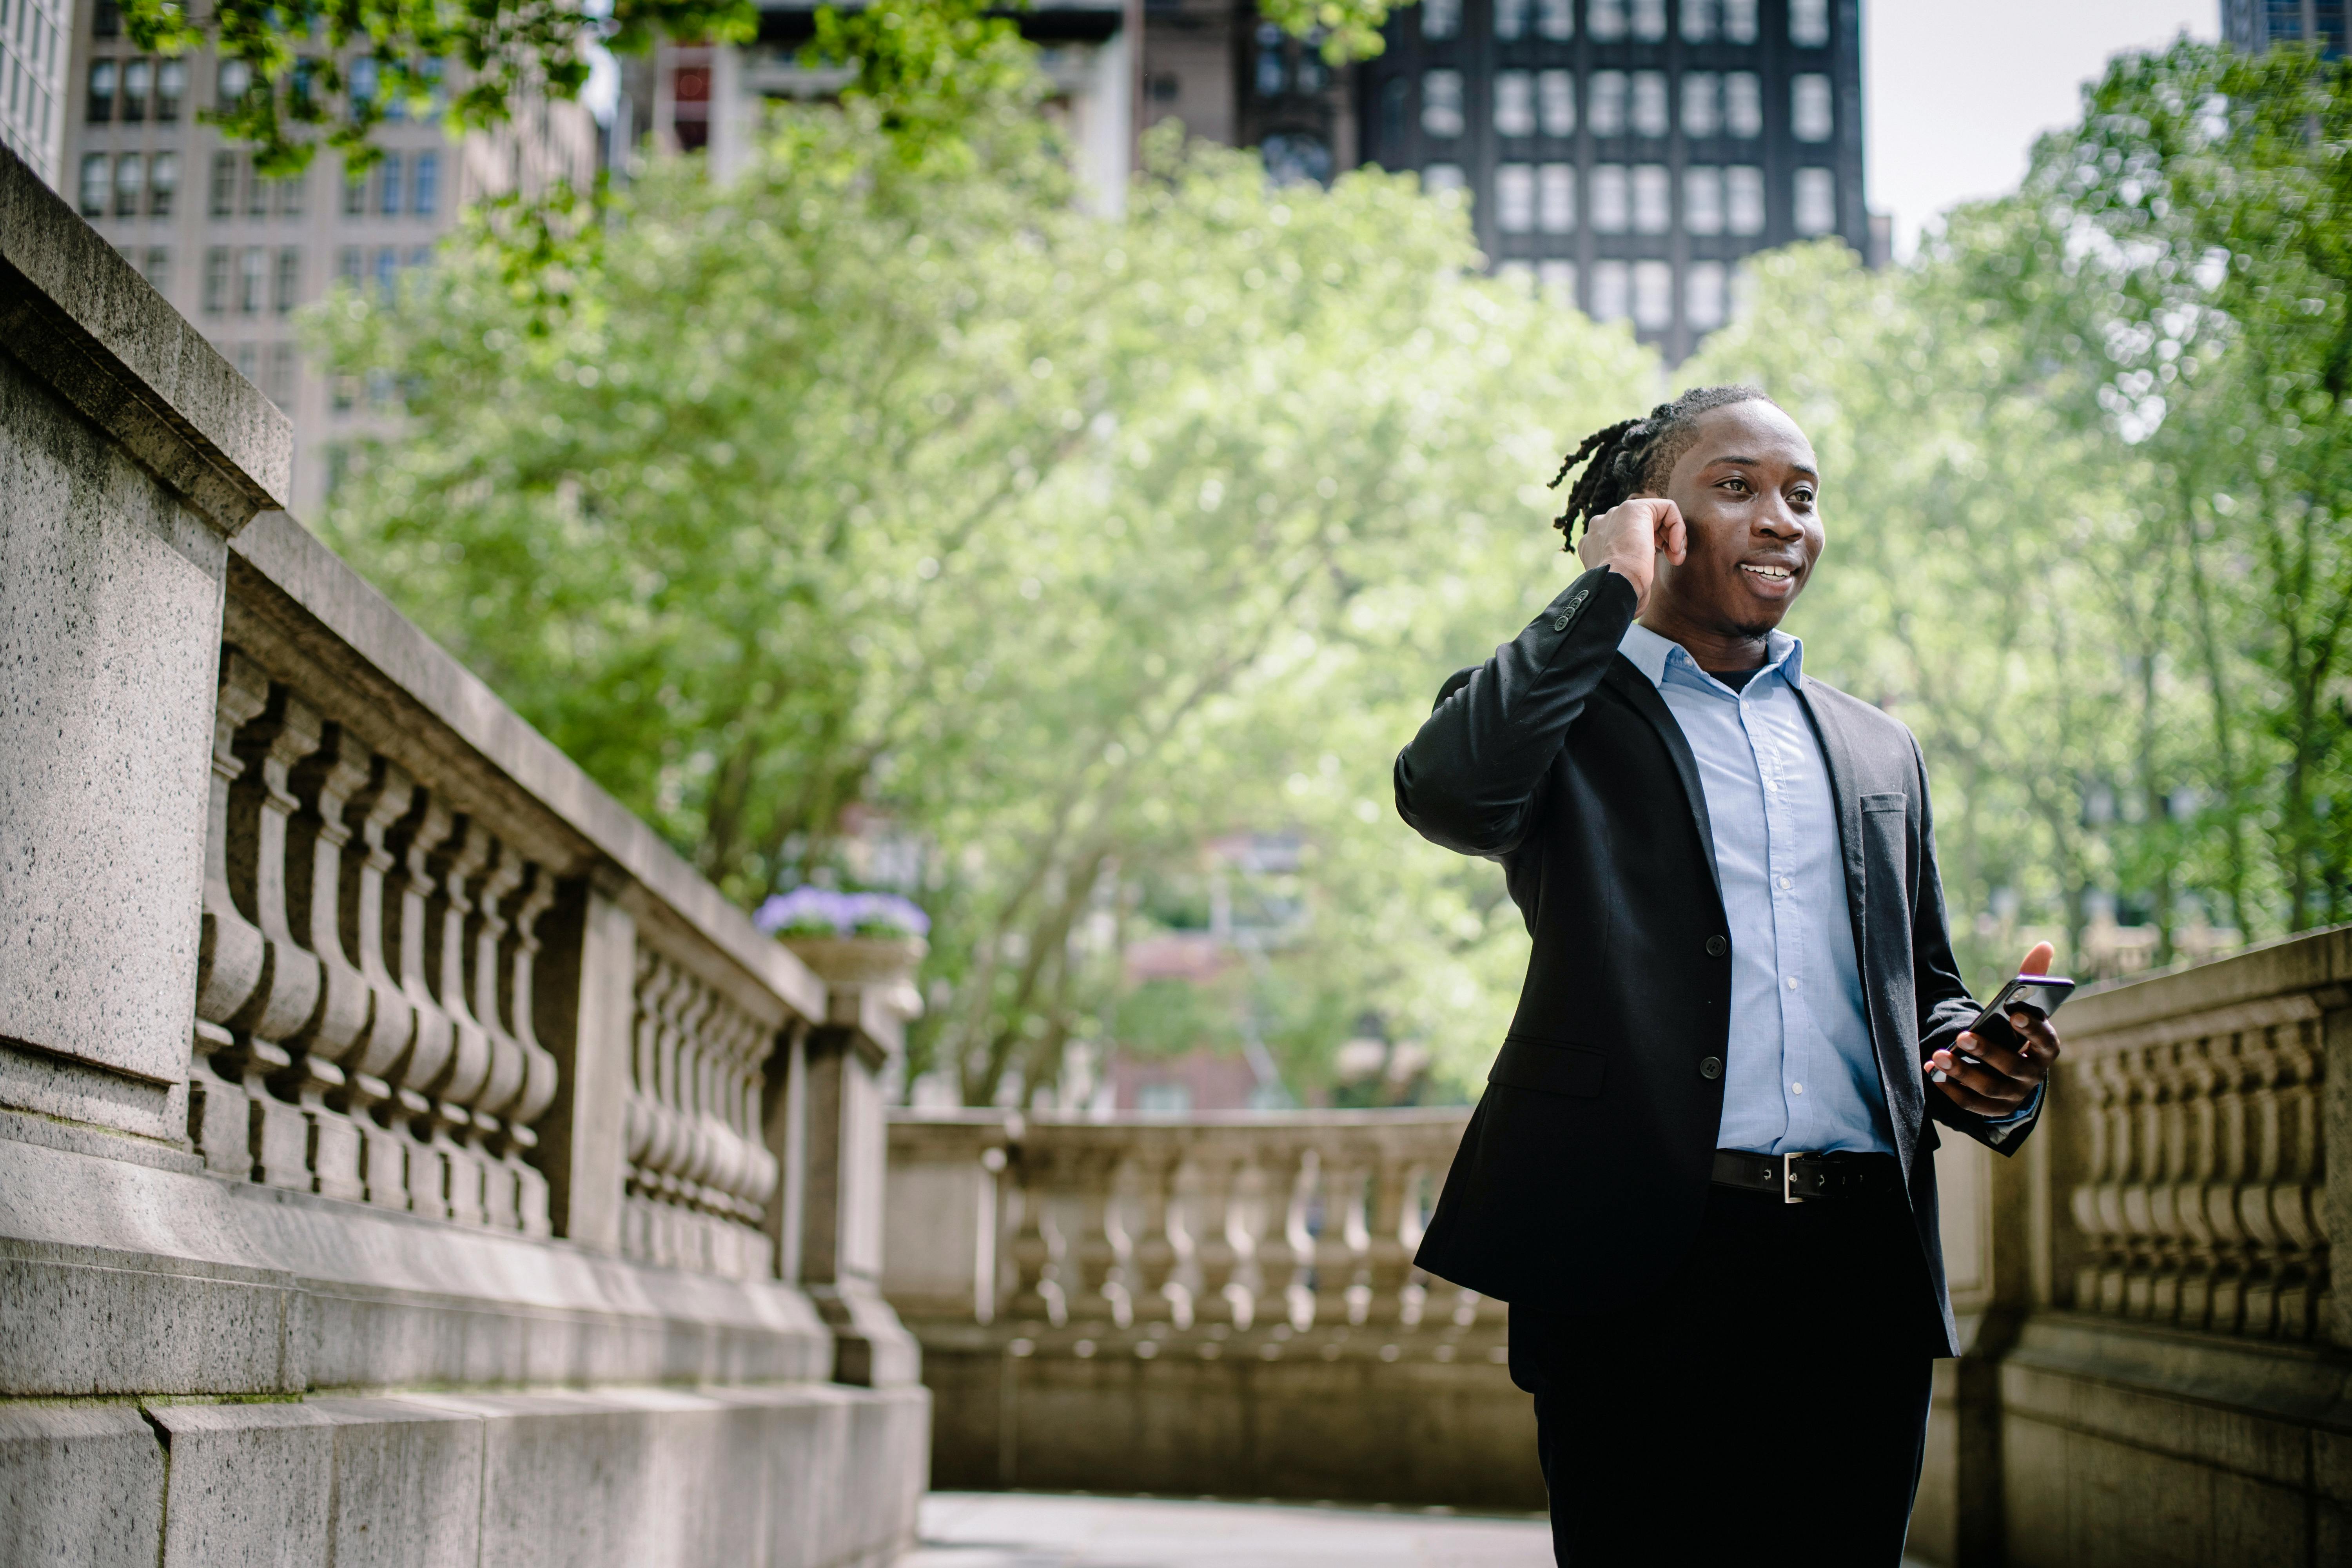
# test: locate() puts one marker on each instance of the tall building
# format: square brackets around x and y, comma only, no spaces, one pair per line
[33,51]
[1628,153]
[236,254]
[2254,25]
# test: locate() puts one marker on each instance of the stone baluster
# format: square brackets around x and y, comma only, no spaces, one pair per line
[1121,1221]
[502,1079]
[231,952]
[2198,1173]
[1187,1211]
[1082,1196]
[1344,1251]
[1387,1259]
[458,869]
[259,805]
[409,883]
[1416,1198]
[1038,1246]
[332,1042]
[1153,1261]
[378,806]
[2237,1259]
[1246,1211]
[2167,1134]
[1302,1216]
[518,967]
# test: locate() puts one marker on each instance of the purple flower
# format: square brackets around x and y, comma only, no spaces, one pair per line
[811,911]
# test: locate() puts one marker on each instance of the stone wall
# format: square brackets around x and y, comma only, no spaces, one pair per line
[2159,1370]
[404,1156]
[1211,1304]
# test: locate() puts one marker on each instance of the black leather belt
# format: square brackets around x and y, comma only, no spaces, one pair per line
[1802,1178]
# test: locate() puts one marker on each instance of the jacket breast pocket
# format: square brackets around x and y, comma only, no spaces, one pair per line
[1886,845]
[1549,1067]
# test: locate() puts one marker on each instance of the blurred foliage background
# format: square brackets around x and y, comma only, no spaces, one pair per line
[880,518]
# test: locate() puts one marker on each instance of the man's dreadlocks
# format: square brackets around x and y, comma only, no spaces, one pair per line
[1635,455]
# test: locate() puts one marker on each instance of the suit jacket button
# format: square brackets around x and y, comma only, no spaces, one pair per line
[1710,1067]
[1559,625]
[1717,947]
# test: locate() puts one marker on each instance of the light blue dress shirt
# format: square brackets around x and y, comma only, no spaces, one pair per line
[1800,1073]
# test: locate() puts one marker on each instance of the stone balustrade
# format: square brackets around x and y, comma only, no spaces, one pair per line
[2144,1292]
[1205,1304]
[364,1065]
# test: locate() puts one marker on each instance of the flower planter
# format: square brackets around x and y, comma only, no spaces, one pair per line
[883,963]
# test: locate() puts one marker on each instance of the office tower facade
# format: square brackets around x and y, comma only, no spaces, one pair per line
[238,254]
[2254,25]
[1624,154]
[33,50]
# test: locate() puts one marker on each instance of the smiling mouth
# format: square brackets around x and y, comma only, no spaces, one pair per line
[1769,574]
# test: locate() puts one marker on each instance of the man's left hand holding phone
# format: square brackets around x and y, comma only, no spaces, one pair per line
[1990,1077]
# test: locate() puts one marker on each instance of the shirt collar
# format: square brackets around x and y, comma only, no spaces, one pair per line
[1655,655]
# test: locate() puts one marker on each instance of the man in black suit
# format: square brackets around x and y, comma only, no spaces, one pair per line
[1702,1170]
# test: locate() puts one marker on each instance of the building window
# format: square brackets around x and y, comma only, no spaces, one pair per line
[355,192]
[1612,199]
[1743,199]
[1654,295]
[253,281]
[1605,19]
[1440,178]
[1510,19]
[1703,199]
[1815,209]
[387,188]
[1705,295]
[1556,19]
[289,290]
[215,280]
[351,266]
[1292,158]
[1441,103]
[1809,106]
[1698,21]
[1743,104]
[105,20]
[97,178]
[101,91]
[163,183]
[1515,103]
[130,184]
[222,201]
[1654,208]
[136,76]
[235,78]
[1556,198]
[1393,94]
[294,193]
[1809,23]
[279,383]
[1649,20]
[1604,103]
[1440,18]
[1558,280]
[170,86]
[387,273]
[157,269]
[1272,78]
[1650,116]
[256,192]
[1611,284]
[1555,102]
[1515,197]
[1739,21]
[248,362]
[1702,103]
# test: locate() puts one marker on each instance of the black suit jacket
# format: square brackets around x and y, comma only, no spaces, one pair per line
[1581,1181]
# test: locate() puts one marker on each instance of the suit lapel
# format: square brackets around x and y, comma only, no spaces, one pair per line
[1905,1110]
[1627,680]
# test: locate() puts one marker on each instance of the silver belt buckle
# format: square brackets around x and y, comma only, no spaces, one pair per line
[1788,1193]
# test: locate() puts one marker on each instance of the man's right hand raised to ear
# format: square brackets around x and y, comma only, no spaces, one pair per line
[1629,538]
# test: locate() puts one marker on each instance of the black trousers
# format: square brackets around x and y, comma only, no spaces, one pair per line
[1769,1403]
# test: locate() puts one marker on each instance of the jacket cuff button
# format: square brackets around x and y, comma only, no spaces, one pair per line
[1710,1067]
[1559,624]
[1717,946]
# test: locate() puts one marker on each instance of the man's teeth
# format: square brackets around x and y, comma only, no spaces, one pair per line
[1777,573]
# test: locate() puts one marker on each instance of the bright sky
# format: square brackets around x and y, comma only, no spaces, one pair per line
[1956,94]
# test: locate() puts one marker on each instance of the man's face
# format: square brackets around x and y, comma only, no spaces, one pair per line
[1746,487]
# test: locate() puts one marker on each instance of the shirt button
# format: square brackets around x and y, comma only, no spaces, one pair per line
[1717,947]
[1559,625]
[1784,881]
[1792,983]
[1796,1089]
[1710,1067]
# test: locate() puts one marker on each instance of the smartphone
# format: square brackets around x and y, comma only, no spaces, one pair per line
[2035,993]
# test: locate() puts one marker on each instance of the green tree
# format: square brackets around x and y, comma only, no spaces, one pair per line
[1064,544]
